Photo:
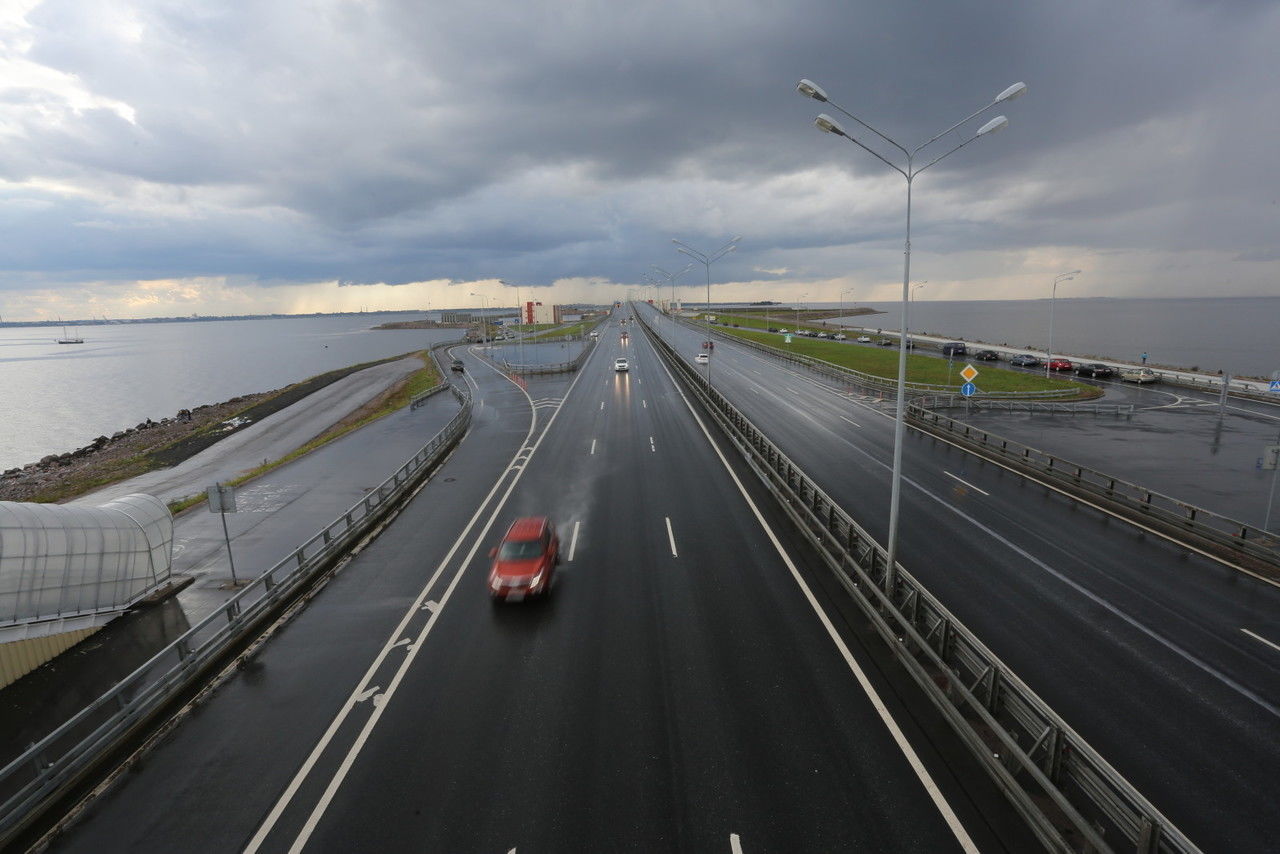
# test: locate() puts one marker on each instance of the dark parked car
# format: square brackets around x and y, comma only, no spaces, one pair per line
[1097,370]
[1025,360]
[987,356]
[954,348]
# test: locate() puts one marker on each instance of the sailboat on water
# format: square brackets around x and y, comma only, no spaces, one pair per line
[70,339]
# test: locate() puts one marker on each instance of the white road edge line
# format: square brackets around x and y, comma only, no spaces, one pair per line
[966,483]
[922,773]
[851,421]
[593,446]
[283,802]
[671,537]
[573,542]
[1276,647]
[735,845]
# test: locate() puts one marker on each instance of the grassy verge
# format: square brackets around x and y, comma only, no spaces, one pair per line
[395,398]
[580,328]
[883,362]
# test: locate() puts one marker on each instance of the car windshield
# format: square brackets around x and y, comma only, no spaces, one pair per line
[520,549]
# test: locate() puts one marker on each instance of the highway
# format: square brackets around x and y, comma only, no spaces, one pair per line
[1166,661]
[691,685]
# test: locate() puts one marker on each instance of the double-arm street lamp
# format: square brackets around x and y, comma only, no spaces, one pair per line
[519,318]
[1053,295]
[671,280]
[909,171]
[484,318]
[706,261]
[842,293]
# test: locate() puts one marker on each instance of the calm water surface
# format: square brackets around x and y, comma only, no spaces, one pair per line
[56,398]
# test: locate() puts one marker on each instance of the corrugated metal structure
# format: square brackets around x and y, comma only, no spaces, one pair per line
[65,570]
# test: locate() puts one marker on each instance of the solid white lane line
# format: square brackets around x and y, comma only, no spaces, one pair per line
[922,773]
[573,542]
[671,537]
[593,446]
[851,421]
[1276,647]
[735,845]
[966,483]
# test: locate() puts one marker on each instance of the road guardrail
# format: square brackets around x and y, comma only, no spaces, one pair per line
[1069,795]
[49,768]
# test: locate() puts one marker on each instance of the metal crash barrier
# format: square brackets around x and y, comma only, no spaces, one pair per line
[59,760]
[1069,795]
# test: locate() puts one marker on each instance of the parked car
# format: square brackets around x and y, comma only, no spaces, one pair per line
[774,329]
[1025,360]
[1058,364]
[621,365]
[886,342]
[954,348]
[702,359]
[863,339]
[823,335]
[1139,375]
[987,356]
[783,331]
[524,563]
[1097,370]
[839,336]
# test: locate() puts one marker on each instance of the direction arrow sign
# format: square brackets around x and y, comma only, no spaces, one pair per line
[969,372]
[968,388]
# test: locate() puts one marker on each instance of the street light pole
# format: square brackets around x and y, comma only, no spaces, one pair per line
[1053,295]
[671,279]
[706,261]
[842,293]
[484,317]
[825,123]
[519,319]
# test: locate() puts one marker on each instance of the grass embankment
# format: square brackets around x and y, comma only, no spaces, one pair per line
[883,361]
[558,332]
[394,398]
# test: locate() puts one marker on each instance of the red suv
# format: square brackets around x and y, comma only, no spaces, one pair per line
[525,561]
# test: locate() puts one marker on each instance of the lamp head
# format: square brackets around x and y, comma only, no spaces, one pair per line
[829,125]
[1017,90]
[811,90]
[996,124]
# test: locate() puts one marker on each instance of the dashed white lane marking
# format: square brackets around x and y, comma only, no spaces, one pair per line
[671,537]
[644,403]
[573,541]
[851,421]
[652,447]
[1276,647]
[602,404]
[966,483]
[735,845]
[593,446]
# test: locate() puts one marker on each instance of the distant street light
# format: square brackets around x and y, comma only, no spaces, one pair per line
[842,293]
[519,319]
[1053,295]
[671,279]
[825,123]
[799,302]
[484,317]
[707,261]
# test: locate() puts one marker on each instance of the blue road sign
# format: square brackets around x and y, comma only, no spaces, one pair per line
[967,389]
[1275,385]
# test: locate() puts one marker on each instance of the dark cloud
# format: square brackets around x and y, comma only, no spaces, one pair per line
[402,141]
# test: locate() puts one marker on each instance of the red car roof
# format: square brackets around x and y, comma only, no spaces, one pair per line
[528,528]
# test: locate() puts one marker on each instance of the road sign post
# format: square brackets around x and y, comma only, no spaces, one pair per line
[222,500]
[1271,461]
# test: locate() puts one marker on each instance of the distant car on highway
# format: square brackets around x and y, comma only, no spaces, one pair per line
[1060,364]
[987,356]
[863,339]
[1139,375]
[524,563]
[1097,370]
[621,365]
[456,365]
[1025,360]
[702,359]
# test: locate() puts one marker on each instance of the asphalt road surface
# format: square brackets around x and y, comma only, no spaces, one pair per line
[1166,661]
[690,684]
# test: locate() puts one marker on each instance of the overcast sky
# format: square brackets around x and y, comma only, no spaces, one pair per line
[234,156]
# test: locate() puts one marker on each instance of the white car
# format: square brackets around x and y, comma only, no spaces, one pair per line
[621,365]
[864,339]
[783,331]
[839,336]
[702,359]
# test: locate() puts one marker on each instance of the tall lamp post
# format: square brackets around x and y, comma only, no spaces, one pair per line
[484,318]
[519,318]
[1053,295]
[706,261]
[671,280]
[909,172]
[842,293]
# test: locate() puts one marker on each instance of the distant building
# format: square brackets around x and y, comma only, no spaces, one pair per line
[536,312]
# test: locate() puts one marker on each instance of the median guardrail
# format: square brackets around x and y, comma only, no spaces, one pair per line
[1183,521]
[1069,795]
[60,760]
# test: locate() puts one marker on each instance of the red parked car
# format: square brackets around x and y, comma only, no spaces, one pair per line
[525,561]
[1059,365]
